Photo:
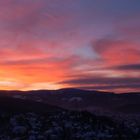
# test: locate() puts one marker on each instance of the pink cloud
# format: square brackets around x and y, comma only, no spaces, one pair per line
[117,52]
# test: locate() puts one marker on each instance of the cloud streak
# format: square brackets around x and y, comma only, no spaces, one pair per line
[82,43]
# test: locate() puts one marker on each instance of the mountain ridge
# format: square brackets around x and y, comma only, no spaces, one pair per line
[77,99]
[68,90]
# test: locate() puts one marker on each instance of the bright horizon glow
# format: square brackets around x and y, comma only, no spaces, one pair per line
[88,44]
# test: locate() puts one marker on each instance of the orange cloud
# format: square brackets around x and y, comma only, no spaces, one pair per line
[45,42]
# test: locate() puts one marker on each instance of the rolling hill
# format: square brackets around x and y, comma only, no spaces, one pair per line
[76,99]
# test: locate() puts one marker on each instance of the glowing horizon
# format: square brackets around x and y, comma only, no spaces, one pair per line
[88,44]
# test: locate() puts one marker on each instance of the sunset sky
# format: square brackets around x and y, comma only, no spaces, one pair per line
[52,44]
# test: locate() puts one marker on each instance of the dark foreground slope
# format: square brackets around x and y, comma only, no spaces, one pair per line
[22,119]
[76,99]
[11,104]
